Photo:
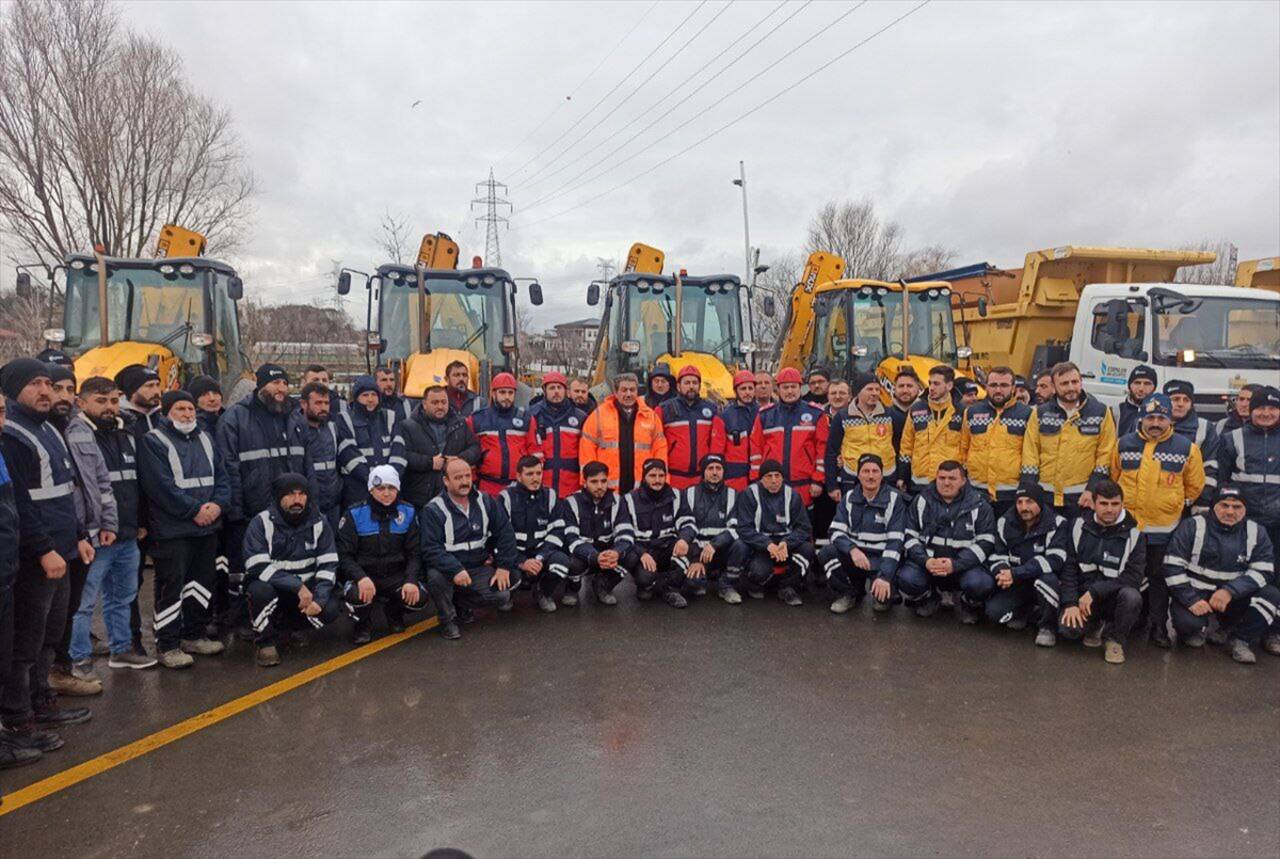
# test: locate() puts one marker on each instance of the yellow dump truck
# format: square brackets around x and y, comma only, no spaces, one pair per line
[176,314]
[1259,273]
[420,318]
[650,318]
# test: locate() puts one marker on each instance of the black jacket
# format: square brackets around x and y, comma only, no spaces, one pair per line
[421,481]
[1101,559]
[383,543]
[8,526]
[533,518]
[1205,555]
[120,453]
[962,530]
[767,517]
[590,526]
[708,515]
[648,519]
[1030,554]
[180,473]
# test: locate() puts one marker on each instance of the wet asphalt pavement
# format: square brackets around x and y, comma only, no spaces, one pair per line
[716,731]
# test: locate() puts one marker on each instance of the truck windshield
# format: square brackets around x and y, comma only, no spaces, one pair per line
[464,315]
[711,320]
[931,331]
[1236,333]
[835,313]
[144,305]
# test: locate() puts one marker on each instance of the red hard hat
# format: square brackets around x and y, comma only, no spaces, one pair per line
[503,380]
[554,378]
[789,374]
[689,370]
[744,377]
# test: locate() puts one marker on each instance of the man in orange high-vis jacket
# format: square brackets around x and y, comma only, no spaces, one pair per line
[622,433]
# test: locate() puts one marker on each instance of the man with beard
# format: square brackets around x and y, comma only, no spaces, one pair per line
[693,428]
[589,518]
[114,572]
[140,408]
[991,440]
[380,556]
[1238,415]
[462,400]
[793,433]
[292,568]
[819,380]
[540,556]
[658,387]
[188,486]
[557,429]
[968,390]
[319,374]
[1142,384]
[580,395]
[505,431]
[1044,386]
[739,417]
[774,525]
[906,390]
[932,432]
[208,396]
[433,436]
[622,433]
[1020,390]
[647,537]
[335,459]
[373,428]
[1031,549]
[707,526]
[1070,442]
[866,539]
[392,400]
[1186,423]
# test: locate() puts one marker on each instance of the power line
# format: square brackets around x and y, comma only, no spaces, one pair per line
[533,177]
[678,86]
[569,186]
[740,117]
[551,114]
[605,97]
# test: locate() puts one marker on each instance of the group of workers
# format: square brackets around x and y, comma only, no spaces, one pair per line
[1032,506]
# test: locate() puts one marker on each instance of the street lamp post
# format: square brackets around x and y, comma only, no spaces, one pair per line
[741,182]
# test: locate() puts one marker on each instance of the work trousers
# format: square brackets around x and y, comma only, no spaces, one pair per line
[274,606]
[763,569]
[1120,611]
[1016,602]
[724,569]
[974,585]
[233,608]
[449,597]
[604,580]
[386,593]
[1246,619]
[1155,589]
[184,581]
[669,575]
[114,575]
[557,571]
[844,577]
[39,615]
[1048,588]
[822,514]
[135,608]
[77,573]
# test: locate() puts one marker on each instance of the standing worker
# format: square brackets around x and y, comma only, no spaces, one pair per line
[793,433]
[1070,442]
[622,433]
[991,440]
[932,432]
[557,429]
[434,435]
[505,431]
[739,417]
[1142,384]
[862,427]
[693,428]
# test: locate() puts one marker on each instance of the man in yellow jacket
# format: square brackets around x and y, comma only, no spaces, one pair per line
[991,440]
[932,432]
[623,432]
[863,426]
[1161,473]
[1070,441]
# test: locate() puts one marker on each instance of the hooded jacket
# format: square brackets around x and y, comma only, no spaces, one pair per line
[1250,456]
[1199,431]
[877,526]
[1101,559]
[708,515]
[557,430]
[962,529]
[424,438]
[648,520]
[653,400]
[505,435]
[380,541]
[255,447]
[589,526]
[693,430]
[180,473]
[377,437]
[766,517]
[289,556]
[95,497]
[533,519]
[1160,477]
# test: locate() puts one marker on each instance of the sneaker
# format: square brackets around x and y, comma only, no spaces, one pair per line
[129,659]
[1114,653]
[1017,624]
[245,633]
[1196,640]
[201,646]
[51,714]
[546,603]
[176,658]
[1046,637]
[1271,643]
[449,630]
[731,596]
[362,634]
[83,670]
[569,599]
[947,599]
[1160,638]
[644,594]
[100,647]
[842,604]
[928,608]
[1241,652]
[968,614]
[1217,635]
[507,603]
[788,596]
[298,639]
[880,607]
[1093,635]
[67,684]
[267,656]
[675,599]
[28,736]
[395,624]
[606,597]
[755,593]
[17,756]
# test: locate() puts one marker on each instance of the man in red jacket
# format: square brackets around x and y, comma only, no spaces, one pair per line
[557,427]
[693,428]
[739,417]
[794,433]
[505,431]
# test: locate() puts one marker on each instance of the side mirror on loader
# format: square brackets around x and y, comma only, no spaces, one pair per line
[593,295]
[23,285]
[982,307]
[344,283]
[235,288]
[768,307]
[535,294]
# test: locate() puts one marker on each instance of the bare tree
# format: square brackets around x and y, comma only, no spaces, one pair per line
[1221,270]
[783,274]
[102,139]
[871,248]
[393,237]
[924,260]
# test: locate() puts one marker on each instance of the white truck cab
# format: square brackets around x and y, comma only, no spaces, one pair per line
[1219,338]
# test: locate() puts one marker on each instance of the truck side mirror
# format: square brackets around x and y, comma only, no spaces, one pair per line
[23,285]
[235,288]
[768,307]
[344,283]
[982,306]
[593,295]
[535,294]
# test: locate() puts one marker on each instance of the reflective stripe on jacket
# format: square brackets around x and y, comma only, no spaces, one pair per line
[1160,478]
[1066,453]
[505,436]
[991,446]
[853,434]
[930,437]
[600,439]
[693,430]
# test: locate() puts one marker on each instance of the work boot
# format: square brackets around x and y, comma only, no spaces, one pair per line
[201,646]
[546,603]
[1046,637]
[298,639]
[570,599]
[755,593]
[28,736]
[129,659]
[880,607]
[1017,623]
[731,596]
[675,599]
[67,684]
[842,604]
[947,599]
[507,603]
[1114,653]
[968,614]
[1197,640]
[449,631]
[928,607]
[49,713]
[644,594]
[83,670]
[466,616]
[788,596]
[16,756]
[1271,643]
[1160,638]
[1092,635]
[176,659]
[267,656]
[1241,652]
[362,634]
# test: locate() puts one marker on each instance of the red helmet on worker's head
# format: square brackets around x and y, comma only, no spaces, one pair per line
[743,377]
[554,378]
[789,374]
[689,370]
[503,380]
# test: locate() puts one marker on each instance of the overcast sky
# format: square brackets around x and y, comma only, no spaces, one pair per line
[994,129]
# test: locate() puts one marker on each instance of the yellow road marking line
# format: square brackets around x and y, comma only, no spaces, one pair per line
[76,774]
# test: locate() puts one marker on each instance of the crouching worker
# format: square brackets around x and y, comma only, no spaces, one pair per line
[187,489]
[1221,566]
[1031,549]
[651,552]
[707,526]
[774,525]
[380,556]
[469,550]
[291,565]
[1106,560]
[590,520]
[539,552]
[866,539]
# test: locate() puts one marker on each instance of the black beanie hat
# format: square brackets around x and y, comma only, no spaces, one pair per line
[268,373]
[1179,386]
[710,459]
[860,381]
[651,464]
[169,398]
[61,373]
[1035,492]
[55,356]
[1142,371]
[201,385]
[288,482]
[1265,396]
[19,373]
[769,466]
[133,377]
[1230,490]
[870,457]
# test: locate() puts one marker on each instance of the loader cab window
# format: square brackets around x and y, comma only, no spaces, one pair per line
[1119,329]
[1219,331]
[164,305]
[466,313]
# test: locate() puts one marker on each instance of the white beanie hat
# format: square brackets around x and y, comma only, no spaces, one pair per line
[384,475]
